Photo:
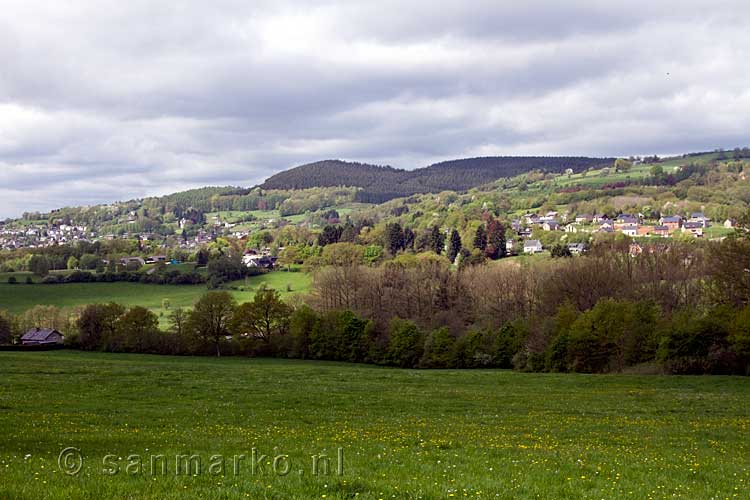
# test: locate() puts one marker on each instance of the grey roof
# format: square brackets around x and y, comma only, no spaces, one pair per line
[39,334]
[671,218]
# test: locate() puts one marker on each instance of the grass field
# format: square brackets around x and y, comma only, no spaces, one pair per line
[236,217]
[20,276]
[403,434]
[284,282]
[717,231]
[598,178]
[20,297]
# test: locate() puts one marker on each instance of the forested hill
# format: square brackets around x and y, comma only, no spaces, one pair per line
[380,183]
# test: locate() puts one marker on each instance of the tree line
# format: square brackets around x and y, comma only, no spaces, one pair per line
[676,308]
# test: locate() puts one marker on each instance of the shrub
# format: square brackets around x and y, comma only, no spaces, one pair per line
[406,343]
[697,342]
[438,349]
[740,338]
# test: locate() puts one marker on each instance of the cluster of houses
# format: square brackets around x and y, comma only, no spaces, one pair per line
[262,258]
[42,235]
[628,224]
[535,246]
[635,225]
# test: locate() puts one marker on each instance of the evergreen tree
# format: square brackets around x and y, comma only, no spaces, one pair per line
[436,240]
[394,238]
[408,239]
[454,247]
[480,238]
[330,234]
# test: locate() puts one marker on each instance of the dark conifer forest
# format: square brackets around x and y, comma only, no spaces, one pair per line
[382,183]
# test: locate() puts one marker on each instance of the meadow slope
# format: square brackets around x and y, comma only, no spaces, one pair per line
[403,434]
[20,297]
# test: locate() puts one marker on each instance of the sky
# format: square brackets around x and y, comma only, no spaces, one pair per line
[109,100]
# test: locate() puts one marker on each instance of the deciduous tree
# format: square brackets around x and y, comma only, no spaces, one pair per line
[211,317]
[266,315]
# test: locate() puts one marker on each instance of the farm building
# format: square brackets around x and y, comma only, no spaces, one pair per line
[42,336]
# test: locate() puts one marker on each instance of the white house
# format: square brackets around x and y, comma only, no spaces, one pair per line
[694,228]
[699,218]
[532,246]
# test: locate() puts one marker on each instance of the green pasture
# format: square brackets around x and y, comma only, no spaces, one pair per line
[20,297]
[402,434]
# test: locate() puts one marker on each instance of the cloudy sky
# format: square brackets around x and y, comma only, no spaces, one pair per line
[111,100]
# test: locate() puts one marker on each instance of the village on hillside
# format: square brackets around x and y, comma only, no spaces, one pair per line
[632,225]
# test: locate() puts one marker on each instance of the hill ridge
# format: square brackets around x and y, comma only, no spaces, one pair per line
[380,183]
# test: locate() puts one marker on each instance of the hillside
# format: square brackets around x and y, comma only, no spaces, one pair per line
[382,183]
[714,183]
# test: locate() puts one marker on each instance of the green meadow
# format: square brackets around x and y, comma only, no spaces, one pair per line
[402,434]
[20,297]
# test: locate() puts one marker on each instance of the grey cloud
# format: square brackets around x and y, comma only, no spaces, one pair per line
[113,100]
